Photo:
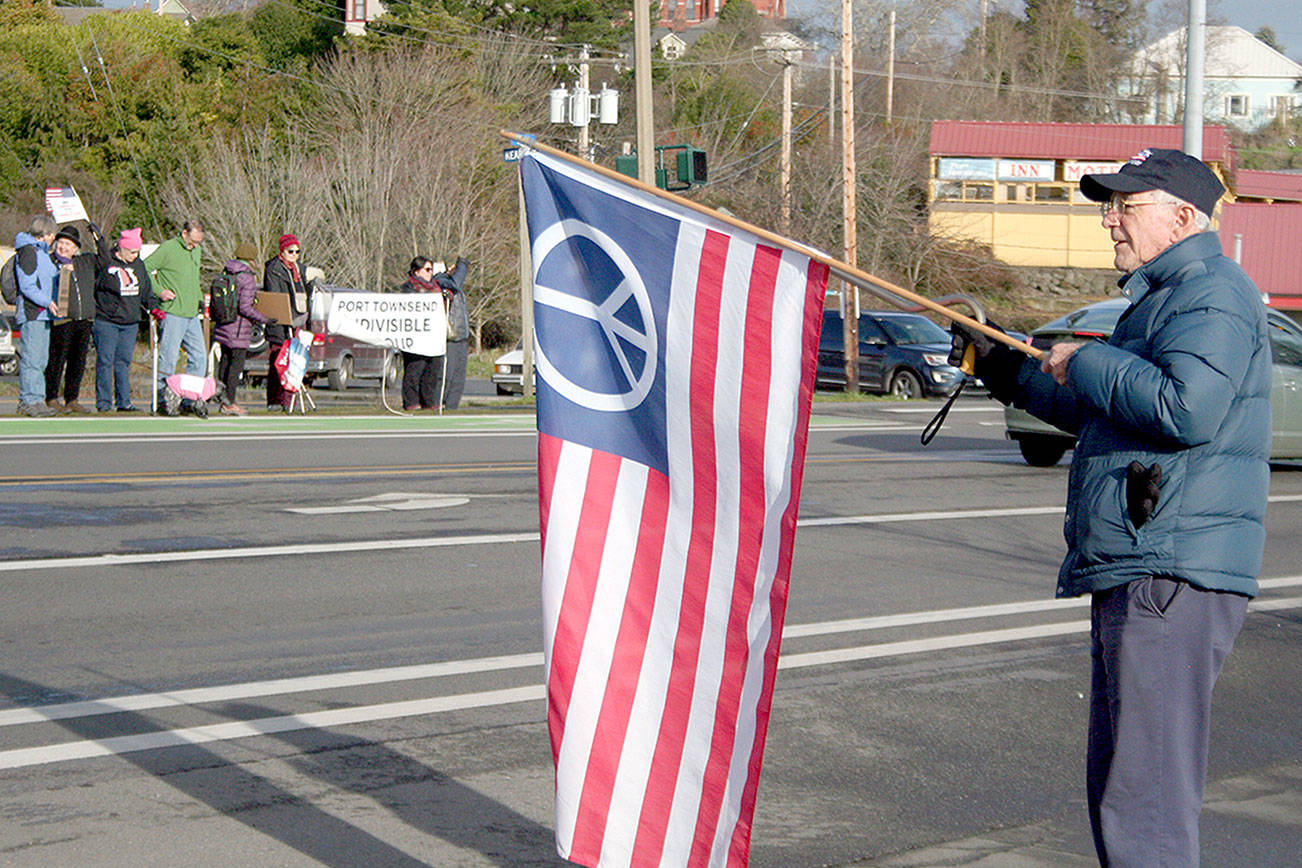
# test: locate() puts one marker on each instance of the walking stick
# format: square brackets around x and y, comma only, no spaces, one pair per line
[443,380]
[153,369]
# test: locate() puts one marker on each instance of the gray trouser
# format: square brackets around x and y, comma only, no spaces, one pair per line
[454,377]
[1157,646]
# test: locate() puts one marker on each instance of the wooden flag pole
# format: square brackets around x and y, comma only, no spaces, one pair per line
[840,269]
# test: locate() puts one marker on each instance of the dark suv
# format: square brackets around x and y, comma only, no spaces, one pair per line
[904,354]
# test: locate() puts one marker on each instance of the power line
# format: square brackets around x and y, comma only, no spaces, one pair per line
[144,190]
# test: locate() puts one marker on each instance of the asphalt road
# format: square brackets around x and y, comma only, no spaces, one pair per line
[317,642]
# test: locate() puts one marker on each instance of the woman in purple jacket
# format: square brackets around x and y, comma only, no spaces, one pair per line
[234,336]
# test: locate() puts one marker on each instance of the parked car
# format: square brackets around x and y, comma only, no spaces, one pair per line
[1043,445]
[338,359]
[903,354]
[508,373]
[8,346]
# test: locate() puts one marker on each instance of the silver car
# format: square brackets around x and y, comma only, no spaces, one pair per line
[1043,445]
[8,346]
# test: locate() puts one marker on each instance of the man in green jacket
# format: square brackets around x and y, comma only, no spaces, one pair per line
[174,269]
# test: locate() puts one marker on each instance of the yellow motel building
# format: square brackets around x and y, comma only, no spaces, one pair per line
[1015,187]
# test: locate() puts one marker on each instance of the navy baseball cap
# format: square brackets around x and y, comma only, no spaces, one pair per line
[1176,172]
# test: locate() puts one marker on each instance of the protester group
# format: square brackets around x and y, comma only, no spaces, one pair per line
[71,291]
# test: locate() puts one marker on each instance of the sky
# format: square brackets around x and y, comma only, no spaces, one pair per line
[1281,15]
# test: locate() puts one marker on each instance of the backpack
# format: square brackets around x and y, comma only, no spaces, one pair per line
[223,302]
[9,279]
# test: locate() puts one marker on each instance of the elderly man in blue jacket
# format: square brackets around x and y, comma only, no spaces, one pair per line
[37,277]
[1166,500]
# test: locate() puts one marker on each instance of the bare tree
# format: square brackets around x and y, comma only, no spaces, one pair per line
[394,153]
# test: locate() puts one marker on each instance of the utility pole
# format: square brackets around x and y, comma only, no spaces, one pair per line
[890,72]
[849,209]
[526,295]
[646,143]
[1195,53]
[584,142]
[788,67]
[831,102]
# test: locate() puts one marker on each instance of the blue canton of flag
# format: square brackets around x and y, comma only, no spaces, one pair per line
[601,302]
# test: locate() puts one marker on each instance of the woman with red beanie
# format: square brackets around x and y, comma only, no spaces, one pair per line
[284,273]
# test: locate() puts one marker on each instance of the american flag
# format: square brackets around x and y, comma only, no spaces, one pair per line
[676,358]
[64,204]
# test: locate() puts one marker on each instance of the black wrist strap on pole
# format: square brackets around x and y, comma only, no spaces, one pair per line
[933,427]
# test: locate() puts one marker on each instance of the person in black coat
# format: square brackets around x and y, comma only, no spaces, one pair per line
[422,376]
[124,295]
[458,351]
[284,273]
[70,338]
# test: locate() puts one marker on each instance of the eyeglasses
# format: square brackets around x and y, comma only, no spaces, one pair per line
[291,250]
[1121,206]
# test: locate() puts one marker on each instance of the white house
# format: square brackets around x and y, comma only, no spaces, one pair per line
[1247,83]
[358,12]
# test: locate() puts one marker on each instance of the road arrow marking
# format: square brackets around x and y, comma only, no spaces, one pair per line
[393,501]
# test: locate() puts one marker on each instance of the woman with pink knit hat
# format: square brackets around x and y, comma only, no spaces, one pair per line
[284,273]
[123,297]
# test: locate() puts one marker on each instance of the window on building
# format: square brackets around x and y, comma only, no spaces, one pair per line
[359,10]
[964,191]
[1236,105]
[1282,106]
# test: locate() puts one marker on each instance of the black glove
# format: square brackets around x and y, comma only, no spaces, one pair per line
[95,231]
[997,364]
[1143,487]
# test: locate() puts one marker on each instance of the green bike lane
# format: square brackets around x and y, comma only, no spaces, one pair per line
[143,425]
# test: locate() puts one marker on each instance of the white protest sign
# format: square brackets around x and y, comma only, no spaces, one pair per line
[412,322]
[64,204]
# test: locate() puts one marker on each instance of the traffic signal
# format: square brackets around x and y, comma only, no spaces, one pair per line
[691,166]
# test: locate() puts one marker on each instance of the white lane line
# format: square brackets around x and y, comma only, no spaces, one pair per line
[112,560]
[936,616]
[1275,605]
[24,757]
[931,409]
[245,436]
[395,500]
[109,560]
[366,678]
[936,643]
[275,687]
[864,426]
[32,756]
[943,515]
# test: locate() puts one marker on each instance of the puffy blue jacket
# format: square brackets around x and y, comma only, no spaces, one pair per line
[1184,382]
[38,279]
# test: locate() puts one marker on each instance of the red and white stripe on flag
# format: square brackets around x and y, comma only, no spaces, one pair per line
[664,595]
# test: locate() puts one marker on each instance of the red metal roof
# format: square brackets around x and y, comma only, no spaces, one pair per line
[1068,141]
[1268,185]
[1272,243]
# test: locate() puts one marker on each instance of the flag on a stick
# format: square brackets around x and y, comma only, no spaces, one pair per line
[676,356]
[64,204]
